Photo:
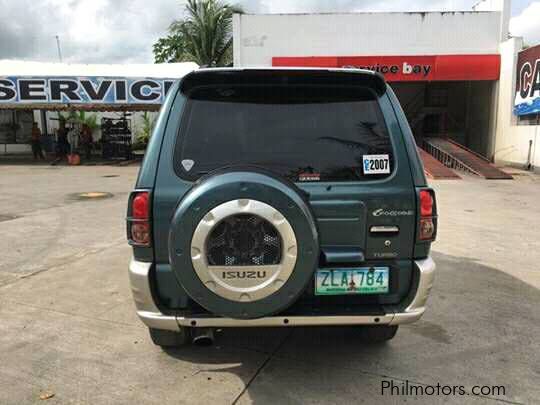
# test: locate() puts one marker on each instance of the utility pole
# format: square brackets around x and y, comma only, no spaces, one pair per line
[58,46]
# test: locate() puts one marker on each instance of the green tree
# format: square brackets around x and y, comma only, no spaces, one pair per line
[203,36]
[144,133]
[80,117]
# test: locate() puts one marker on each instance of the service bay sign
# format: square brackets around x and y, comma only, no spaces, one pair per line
[83,90]
[409,67]
[527,100]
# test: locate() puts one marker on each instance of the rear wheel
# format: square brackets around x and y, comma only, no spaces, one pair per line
[169,338]
[377,333]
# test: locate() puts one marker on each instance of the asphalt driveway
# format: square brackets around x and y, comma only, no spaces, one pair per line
[68,330]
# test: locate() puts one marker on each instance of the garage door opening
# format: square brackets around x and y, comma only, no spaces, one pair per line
[460,111]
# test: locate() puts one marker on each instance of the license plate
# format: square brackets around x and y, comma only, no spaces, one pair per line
[364,280]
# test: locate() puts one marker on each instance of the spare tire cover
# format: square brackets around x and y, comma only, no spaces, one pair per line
[243,243]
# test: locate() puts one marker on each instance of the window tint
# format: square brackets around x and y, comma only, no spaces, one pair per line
[302,133]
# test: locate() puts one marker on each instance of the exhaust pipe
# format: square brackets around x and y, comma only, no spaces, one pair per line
[203,336]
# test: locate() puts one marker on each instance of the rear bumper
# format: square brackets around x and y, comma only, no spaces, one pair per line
[152,317]
[149,313]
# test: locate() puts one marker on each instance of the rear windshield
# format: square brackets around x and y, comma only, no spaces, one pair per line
[302,133]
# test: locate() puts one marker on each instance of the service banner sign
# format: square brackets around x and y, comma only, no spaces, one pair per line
[527,100]
[407,68]
[83,90]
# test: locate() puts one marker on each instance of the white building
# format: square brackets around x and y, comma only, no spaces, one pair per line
[454,72]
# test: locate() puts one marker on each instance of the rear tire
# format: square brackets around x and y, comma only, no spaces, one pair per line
[377,333]
[169,338]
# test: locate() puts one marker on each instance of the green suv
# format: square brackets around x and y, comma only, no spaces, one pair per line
[280,197]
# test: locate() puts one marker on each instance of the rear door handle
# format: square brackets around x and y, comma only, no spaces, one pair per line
[384,229]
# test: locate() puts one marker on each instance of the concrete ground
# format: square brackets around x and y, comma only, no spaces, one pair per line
[68,329]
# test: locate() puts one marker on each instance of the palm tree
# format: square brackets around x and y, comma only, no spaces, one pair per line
[145,131]
[203,36]
[80,117]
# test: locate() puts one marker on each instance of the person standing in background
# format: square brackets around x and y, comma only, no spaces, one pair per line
[37,151]
[87,140]
[62,144]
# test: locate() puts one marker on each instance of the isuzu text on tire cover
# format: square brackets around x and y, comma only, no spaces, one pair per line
[280,197]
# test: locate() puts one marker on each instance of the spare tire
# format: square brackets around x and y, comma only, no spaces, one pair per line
[243,243]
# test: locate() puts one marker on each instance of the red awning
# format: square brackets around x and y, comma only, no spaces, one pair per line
[408,68]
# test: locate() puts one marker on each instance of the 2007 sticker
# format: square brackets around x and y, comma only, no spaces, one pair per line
[376,164]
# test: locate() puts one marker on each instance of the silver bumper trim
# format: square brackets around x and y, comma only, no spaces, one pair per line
[417,307]
[286,321]
[151,316]
[147,310]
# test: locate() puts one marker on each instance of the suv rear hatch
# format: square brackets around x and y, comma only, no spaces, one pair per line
[332,133]
[315,127]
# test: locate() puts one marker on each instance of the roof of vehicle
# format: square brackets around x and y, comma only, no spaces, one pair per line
[274,68]
[232,75]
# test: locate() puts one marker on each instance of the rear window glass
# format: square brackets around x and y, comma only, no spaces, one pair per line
[303,133]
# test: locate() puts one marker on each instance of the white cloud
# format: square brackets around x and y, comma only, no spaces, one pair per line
[90,31]
[115,31]
[527,24]
[302,6]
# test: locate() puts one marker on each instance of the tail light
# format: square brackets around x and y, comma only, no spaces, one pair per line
[427,226]
[138,220]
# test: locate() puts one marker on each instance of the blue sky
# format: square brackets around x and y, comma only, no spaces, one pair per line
[519,5]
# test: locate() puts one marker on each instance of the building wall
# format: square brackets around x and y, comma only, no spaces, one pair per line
[258,38]
[497,5]
[15,149]
[512,141]
[479,109]
[19,142]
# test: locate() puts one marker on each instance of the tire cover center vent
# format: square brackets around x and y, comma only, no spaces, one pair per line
[244,250]
[244,240]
